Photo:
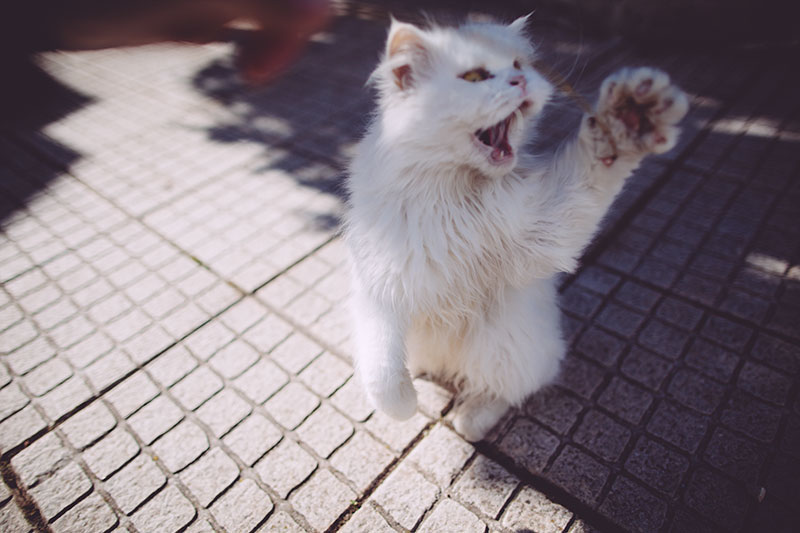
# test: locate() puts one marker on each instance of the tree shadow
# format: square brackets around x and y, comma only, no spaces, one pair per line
[30,99]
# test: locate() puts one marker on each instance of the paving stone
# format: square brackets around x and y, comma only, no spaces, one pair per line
[737,456]
[365,520]
[717,498]
[322,499]
[597,279]
[695,391]
[712,360]
[40,459]
[280,522]
[637,296]
[295,353]
[764,383]
[261,381]
[682,314]
[181,446]
[171,366]
[243,507]
[109,369]
[727,333]
[529,444]
[602,436]
[440,455]
[12,399]
[554,408]
[626,400]
[291,405]
[432,398]
[678,426]
[325,430]
[136,482]
[699,289]
[362,459]
[579,474]
[777,353]
[210,475]
[580,376]
[155,419]
[223,411]
[663,339]
[450,516]
[243,315]
[19,427]
[91,514]
[251,439]
[750,416]
[396,435]
[633,507]
[326,374]
[131,394]
[196,388]
[285,467]
[47,376]
[89,350]
[351,399]
[619,319]
[600,346]
[234,359]
[13,520]
[745,306]
[405,495]
[532,510]
[485,485]
[113,451]
[30,355]
[63,399]
[267,333]
[656,272]
[579,301]
[55,493]
[656,465]
[168,511]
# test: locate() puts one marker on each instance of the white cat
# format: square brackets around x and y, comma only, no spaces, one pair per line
[455,237]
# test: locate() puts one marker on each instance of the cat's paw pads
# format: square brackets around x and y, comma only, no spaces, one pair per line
[397,399]
[640,107]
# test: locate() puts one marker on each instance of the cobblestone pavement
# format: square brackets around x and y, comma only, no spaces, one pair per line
[175,346]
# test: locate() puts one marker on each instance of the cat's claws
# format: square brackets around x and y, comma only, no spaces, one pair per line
[640,108]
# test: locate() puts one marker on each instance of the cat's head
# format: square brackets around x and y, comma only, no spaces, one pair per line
[462,95]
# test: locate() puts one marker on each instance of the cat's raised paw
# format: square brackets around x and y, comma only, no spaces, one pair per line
[640,109]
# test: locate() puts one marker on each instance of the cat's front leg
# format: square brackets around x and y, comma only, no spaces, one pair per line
[379,337]
[636,114]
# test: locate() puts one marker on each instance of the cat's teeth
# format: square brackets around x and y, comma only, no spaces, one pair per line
[518,115]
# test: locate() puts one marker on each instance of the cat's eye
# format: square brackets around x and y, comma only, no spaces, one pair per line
[517,64]
[476,74]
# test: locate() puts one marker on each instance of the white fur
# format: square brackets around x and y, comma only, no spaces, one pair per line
[453,256]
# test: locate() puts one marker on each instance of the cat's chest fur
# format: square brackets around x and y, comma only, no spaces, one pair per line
[446,245]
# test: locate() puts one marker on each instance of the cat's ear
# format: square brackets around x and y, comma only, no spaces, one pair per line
[521,23]
[406,52]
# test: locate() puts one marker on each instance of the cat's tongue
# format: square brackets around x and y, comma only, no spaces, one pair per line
[498,140]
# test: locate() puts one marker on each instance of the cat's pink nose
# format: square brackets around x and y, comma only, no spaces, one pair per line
[519,79]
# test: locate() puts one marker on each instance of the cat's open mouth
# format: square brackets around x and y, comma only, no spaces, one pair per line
[496,137]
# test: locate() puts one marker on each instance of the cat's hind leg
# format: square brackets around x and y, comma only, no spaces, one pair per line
[515,350]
